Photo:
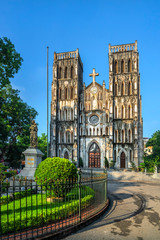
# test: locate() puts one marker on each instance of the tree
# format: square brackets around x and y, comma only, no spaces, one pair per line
[42,144]
[155,143]
[15,115]
[154,159]
[10,61]
[15,121]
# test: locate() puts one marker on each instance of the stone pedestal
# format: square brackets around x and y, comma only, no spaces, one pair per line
[33,157]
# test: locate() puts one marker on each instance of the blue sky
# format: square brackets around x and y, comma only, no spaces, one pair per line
[90,26]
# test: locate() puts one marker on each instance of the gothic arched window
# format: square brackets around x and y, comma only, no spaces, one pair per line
[90,131]
[71,114]
[71,92]
[122,112]
[60,93]
[130,155]
[116,89]
[106,130]
[116,112]
[65,93]
[115,136]
[122,89]
[101,132]
[66,114]
[72,72]
[106,117]
[129,65]
[60,114]
[81,131]
[87,131]
[69,137]
[116,66]
[65,72]
[129,112]
[123,136]
[129,88]
[60,72]
[129,136]
[122,66]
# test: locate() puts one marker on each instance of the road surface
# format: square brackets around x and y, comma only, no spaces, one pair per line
[134,213]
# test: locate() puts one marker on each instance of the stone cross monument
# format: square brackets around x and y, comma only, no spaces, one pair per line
[33,156]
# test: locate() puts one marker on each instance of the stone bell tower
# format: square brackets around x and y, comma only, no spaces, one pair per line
[124,89]
[67,86]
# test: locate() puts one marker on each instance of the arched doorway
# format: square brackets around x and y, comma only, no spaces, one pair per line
[94,156]
[66,155]
[122,160]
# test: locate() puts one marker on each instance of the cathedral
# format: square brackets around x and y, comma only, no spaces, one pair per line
[93,122]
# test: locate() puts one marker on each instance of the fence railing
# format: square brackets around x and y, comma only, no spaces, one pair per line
[29,210]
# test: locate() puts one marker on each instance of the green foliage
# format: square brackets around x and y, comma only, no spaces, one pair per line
[80,162]
[133,166]
[142,167]
[106,162]
[53,172]
[153,160]
[2,172]
[11,173]
[42,144]
[112,164]
[10,61]
[16,195]
[47,211]
[74,162]
[15,115]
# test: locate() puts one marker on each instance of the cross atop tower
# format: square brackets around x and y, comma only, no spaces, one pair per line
[94,74]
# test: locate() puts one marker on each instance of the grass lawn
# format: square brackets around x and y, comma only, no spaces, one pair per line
[34,210]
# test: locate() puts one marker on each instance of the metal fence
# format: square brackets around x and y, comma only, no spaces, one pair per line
[29,210]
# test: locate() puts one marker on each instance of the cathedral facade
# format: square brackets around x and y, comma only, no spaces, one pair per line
[92,122]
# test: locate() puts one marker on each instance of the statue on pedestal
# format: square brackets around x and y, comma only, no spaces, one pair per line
[33,156]
[33,135]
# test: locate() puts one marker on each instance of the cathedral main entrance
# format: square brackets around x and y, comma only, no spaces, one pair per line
[94,156]
[122,160]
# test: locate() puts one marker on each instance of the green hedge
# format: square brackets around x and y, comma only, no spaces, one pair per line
[15,196]
[55,211]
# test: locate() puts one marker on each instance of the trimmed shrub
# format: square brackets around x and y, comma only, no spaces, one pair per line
[16,195]
[80,162]
[111,164]
[106,162]
[54,173]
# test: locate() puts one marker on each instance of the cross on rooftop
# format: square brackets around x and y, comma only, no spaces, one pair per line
[94,74]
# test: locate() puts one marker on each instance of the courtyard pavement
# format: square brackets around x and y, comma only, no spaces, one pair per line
[134,213]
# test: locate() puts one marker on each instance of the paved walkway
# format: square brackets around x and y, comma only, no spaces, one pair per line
[134,214]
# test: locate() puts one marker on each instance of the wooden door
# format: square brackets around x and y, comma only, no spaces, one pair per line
[94,156]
